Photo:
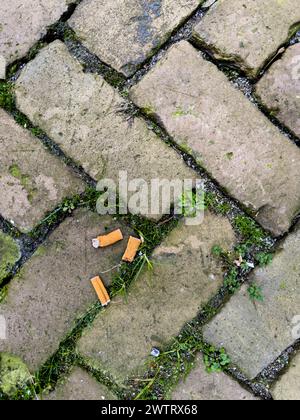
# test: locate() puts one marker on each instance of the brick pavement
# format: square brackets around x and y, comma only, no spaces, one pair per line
[210,297]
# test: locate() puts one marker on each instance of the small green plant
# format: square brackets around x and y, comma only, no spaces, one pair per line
[192,203]
[231,281]
[223,208]
[264,258]
[210,200]
[255,293]
[215,360]
[68,206]
[249,230]
[242,250]
[217,251]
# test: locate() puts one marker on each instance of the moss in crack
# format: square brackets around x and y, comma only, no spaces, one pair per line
[22,120]
[7,100]
[174,363]
[3,293]
[9,255]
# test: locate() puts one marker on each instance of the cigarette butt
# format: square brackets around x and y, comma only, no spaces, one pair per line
[101,291]
[132,249]
[107,240]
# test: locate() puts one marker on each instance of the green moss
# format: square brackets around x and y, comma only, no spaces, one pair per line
[25,181]
[229,155]
[185,148]
[7,100]
[3,293]
[14,374]
[149,110]
[70,35]
[9,255]
[22,120]
[180,113]
[15,171]
[41,251]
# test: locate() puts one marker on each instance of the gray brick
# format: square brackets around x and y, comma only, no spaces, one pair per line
[202,386]
[227,135]
[24,22]
[79,385]
[248,33]
[32,181]
[124,34]
[256,333]
[279,89]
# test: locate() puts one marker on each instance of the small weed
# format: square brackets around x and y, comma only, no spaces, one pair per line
[215,360]
[231,281]
[192,203]
[223,208]
[217,251]
[255,293]
[264,258]
[68,206]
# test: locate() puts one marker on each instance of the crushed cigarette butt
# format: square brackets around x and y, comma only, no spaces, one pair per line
[107,240]
[132,249]
[101,291]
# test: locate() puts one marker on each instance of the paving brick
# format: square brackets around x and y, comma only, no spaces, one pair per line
[203,386]
[79,385]
[288,386]
[256,333]
[9,254]
[124,34]
[248,33]
[160,302]
[53,287]
[80,112]
[32,181]
[24,22]
[279,89]
[226,134]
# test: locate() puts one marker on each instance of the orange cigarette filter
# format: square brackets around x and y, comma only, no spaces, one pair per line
[107,240]
[132,249]
[101,291]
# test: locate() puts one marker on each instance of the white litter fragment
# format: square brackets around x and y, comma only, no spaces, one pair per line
[96,243]
[155,352]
